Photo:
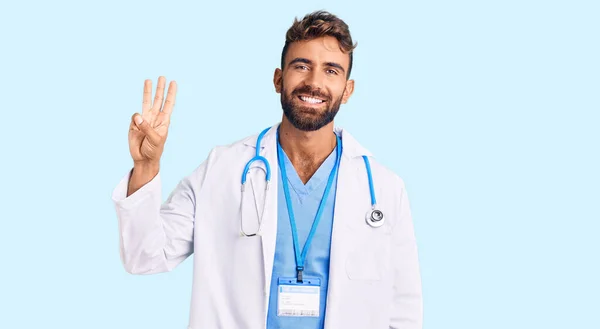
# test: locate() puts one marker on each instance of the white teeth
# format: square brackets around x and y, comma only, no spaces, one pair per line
[311,100]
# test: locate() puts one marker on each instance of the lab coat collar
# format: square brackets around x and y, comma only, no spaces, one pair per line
[351,147]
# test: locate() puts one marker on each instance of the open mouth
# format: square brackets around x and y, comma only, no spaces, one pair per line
[311,100]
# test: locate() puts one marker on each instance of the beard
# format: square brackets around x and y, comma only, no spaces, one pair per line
[307,118]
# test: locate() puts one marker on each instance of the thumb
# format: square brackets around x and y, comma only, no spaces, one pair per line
[144,127]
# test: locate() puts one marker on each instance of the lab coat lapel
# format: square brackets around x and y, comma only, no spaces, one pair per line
[269,197]
[346,210]
[342,213]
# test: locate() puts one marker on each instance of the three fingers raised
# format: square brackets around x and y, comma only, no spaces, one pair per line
[155,107]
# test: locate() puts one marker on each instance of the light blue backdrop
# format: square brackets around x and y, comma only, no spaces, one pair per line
[488,110]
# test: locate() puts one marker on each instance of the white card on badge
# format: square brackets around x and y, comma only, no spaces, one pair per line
[299,299]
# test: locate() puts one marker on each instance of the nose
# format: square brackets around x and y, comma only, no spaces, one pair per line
[314,79]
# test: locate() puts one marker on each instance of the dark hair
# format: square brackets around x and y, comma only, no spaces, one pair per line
[319,24]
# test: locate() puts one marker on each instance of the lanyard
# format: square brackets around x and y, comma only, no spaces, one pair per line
[300,258]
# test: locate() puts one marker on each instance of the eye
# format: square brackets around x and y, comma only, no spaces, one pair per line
[332,71]
[302,67]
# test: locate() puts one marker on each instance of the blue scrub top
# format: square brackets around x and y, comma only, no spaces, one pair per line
[305,202]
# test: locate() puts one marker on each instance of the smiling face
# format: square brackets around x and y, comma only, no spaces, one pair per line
[313,83]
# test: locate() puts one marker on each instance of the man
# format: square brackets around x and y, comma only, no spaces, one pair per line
[301,253]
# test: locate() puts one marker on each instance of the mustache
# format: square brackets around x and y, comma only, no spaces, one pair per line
[311,92]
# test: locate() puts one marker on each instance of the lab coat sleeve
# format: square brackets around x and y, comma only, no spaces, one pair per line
[407,305]
[155,237]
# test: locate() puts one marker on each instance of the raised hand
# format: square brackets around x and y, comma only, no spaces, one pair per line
[148,131]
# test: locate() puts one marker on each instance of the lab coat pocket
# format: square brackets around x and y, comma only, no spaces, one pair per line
[363,266]
[368,262]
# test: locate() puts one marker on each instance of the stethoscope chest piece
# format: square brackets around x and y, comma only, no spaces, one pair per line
[375,218]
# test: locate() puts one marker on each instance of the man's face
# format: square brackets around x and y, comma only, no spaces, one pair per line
[313,82]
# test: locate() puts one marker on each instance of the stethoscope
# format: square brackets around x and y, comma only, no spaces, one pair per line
[374,217]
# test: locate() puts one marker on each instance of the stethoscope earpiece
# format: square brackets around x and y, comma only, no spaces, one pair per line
[375,218]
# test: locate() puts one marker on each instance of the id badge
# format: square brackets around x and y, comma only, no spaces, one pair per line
[299,299]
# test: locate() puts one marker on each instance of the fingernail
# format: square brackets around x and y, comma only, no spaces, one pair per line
[138,120]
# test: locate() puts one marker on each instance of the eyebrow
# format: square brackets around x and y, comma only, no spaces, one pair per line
[308,61]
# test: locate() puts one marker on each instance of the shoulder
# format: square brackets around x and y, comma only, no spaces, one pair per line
[241,148]
[222,159]
[357,154]
[389,184]
[387,173]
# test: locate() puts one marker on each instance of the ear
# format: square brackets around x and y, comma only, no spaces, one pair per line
[277,79]
[348,91]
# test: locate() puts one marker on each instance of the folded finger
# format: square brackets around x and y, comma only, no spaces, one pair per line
[132,125]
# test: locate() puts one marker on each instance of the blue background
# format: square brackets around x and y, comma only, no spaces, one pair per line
[488,110]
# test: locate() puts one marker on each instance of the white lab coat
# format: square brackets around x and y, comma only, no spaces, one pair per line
[374,280]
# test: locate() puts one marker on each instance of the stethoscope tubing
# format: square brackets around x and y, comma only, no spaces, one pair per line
[374,217]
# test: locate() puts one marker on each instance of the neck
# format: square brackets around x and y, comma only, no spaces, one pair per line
[306,149]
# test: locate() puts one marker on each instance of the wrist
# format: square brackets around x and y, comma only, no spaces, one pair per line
[146,167]
[143,172]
